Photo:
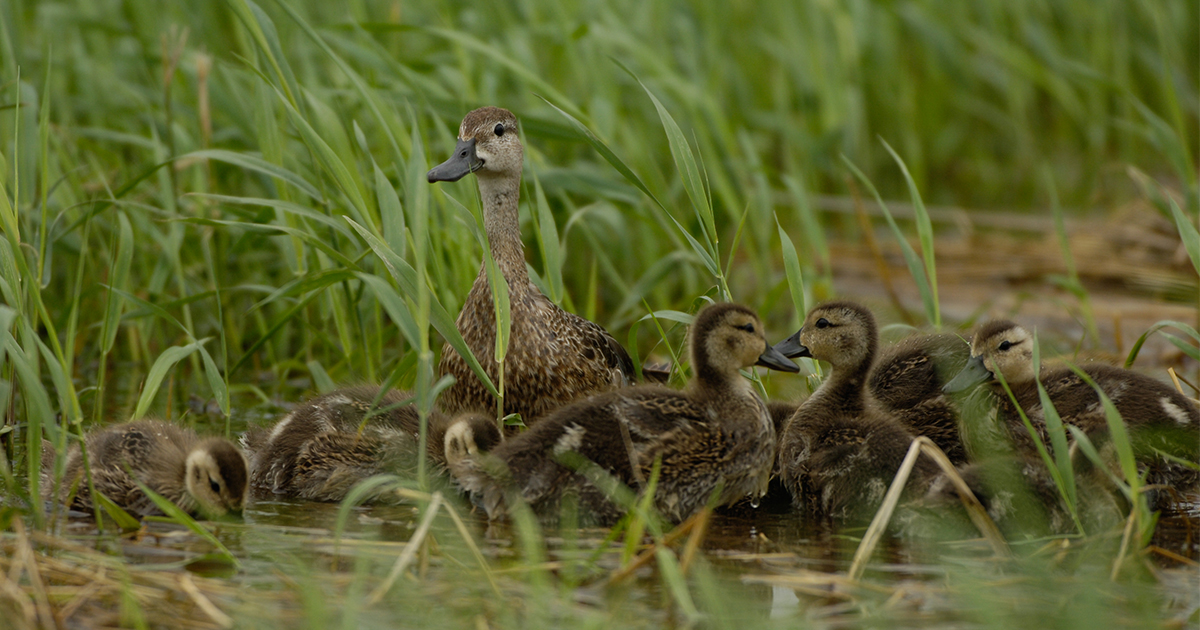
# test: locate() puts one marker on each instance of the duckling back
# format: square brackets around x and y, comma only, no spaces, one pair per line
[328,444]
[907,382]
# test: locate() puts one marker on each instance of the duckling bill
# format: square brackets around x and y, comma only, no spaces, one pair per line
[717,433]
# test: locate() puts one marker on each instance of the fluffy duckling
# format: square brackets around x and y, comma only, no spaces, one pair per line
[1159,417]
[715,433]
[906,381]
[839,451]
[328,444]
[205,477]
[554,357]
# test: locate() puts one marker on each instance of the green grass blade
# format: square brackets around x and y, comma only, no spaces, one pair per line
[395,307]
[216,382]
[685,161]
[1187,232]
[119,516]
[1166,323]
[915,267]
[1057,433]
[547,237]
[791,267]
[119,272]
[177,515]
[252,163]
[158,372]
[925,234]
[406,277]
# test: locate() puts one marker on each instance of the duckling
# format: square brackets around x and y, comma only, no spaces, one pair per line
[554,357]
[203,476]
[906,381]
[1159,417]
[840,451]
[715,433]
[328,444]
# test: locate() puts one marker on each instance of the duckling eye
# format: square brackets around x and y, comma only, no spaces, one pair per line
[216,487]
[499,130]
[823,323]
[746,327]
[1004,345]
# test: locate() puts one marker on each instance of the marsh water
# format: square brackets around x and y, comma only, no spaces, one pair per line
[303,564]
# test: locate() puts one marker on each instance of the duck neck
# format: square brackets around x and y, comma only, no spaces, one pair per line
[845,388]
[501,220]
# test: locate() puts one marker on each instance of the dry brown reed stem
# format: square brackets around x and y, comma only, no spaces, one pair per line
[644,557]
[410,550]
[1125,537]
[27,559]
[206,606]
[975,510]
[693,543]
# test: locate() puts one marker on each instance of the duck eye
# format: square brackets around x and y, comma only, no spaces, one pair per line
[1004,345]
[216,487]
[823,323]
[499,130]
[747,327]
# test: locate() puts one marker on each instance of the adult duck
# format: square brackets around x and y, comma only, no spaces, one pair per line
[554,357]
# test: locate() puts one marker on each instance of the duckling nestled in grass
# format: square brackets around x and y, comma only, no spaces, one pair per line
[1163,423]
[203,476]
[906,382]
[554,357]
[328,444]
[840,451]
[715,434]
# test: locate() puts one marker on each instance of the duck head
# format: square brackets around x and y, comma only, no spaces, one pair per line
[728,337]
[216,475]
[487,146]
[841,333]
[998,346]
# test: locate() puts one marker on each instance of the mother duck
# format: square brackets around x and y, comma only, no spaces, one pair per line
[554,357]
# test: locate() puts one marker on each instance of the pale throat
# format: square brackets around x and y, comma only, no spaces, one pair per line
[501,220]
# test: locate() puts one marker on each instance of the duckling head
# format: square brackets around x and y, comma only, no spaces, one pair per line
[469,435]
[728,337]
[840,333]
[216,475]
[998,346]
[487,146]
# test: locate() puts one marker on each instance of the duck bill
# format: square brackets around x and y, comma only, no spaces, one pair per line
[792,348]
[464,161]
[971,375]
[776,360]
